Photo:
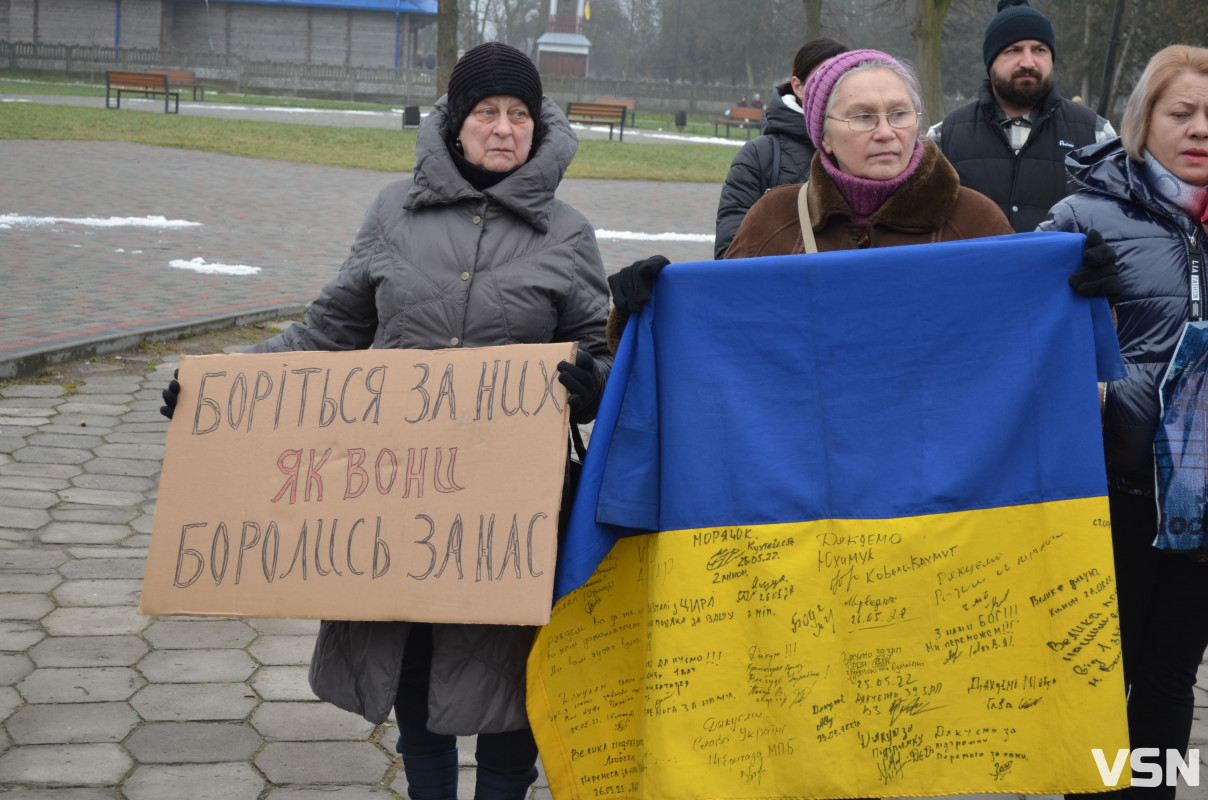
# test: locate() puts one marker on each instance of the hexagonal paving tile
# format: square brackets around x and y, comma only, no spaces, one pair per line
[65,765]
[309,722]
[80,685]
[196,702]
[14,667]
[83,533]
[187,634]
[104,568]
[112,592]
[283,683]
[283,650]
[193,743]
[81,621]
[88,651]
[231,781]
[22,559]
[197,666]
[339,763]
[10,701]
[69,723]
[25,606]
[16,636]
[340,793]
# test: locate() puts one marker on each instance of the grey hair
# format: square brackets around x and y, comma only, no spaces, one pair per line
[902,70]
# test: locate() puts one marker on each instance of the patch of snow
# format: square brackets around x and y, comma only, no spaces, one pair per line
[19,221]
[199,265]
[654,237]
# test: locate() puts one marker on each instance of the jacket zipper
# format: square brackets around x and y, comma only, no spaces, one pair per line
[1197,284]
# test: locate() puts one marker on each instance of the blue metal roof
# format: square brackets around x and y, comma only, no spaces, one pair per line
[404,6]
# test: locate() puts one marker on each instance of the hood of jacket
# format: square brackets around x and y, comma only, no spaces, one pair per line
[528,192]
[1105,168]
[783,119]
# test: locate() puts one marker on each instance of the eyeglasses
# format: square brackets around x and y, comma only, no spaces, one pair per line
[863,123]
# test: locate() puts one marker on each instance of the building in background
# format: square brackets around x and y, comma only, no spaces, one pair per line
[378,33]
[563,49]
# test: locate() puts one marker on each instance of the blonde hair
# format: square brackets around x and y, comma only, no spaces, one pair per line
[1165,66]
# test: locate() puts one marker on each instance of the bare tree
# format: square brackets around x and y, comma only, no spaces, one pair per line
[1117,79]
[1086,46]
[813,18]
[1109,67]
[446,42]
[752,45]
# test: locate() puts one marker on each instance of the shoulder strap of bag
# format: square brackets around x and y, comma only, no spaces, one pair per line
[775,163]
[803,211]
[577,439]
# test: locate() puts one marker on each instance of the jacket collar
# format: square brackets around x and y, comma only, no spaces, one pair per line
[922,204]
[528,192]
[1105,168]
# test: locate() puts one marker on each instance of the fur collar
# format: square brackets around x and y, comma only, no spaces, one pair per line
[922,204]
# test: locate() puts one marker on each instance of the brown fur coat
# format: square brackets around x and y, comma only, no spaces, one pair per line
[931,206]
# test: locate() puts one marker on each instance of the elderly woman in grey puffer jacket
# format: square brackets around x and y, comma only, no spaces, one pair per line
[472,250]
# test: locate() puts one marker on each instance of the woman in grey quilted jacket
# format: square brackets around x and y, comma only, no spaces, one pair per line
[471,250]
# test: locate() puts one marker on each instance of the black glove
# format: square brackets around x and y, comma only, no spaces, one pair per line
[631,286]
[585,381]
[1098,276]
[171,395]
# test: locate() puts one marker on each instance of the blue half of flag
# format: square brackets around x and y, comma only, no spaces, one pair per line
[863,384]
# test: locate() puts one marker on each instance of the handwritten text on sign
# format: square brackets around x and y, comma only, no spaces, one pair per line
[380,484]
[898,657]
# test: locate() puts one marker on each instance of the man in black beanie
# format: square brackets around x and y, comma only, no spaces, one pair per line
[1010,143]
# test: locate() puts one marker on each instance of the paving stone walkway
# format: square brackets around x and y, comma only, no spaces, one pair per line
[82,269]
[100,702]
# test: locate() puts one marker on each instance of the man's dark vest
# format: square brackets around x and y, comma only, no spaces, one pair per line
[1026,185]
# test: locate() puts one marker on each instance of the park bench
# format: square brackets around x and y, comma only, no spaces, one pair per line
[598,114]
[740,117]
[143,83]
[630,106]
[182,79]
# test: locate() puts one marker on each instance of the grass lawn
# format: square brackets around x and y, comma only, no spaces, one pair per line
[366,148]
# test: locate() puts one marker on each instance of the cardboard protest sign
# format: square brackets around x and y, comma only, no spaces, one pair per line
[371,485]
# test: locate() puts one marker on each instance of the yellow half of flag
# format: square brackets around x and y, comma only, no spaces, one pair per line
[970,652]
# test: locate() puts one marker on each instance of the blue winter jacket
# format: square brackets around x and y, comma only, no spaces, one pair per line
[1154,246]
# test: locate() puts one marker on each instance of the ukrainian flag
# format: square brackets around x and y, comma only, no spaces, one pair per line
[882,564]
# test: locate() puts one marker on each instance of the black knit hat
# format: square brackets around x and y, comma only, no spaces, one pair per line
[490,69]
[1014,22]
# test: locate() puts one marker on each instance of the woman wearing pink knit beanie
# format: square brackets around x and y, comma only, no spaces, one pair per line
[875,180]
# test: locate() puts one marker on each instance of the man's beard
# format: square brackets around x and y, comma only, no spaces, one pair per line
[1016,95]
